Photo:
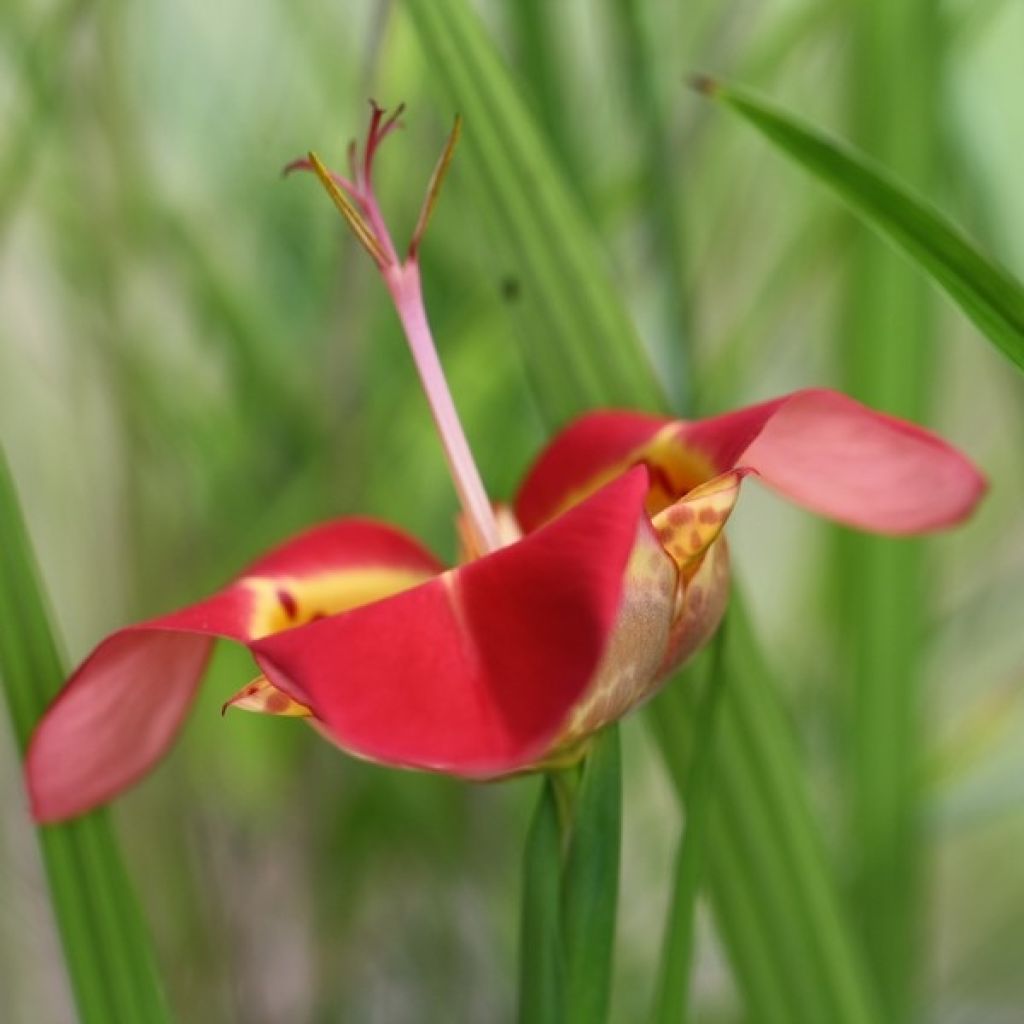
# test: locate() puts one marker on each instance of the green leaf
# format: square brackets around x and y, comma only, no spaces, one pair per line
[586,337]
[676,965]
[106,947]
[777,905]
[880,583]
[987,293]
[661,186]
[591,882]
[541,954]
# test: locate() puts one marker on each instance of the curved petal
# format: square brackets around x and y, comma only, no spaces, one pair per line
[472,673]
[845,461]
[818,448]
[628,673]
[677,582]
[120,711]
[689,527]
[701,608]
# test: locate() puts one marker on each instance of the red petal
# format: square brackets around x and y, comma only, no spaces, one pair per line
[588,453]
[472,673]
[122,708]
[628,673]
[817,447]
[840,459]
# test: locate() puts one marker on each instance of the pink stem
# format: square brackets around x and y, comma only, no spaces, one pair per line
[407,292]
[403,282]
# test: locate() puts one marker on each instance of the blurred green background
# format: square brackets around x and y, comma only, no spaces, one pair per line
[196,360]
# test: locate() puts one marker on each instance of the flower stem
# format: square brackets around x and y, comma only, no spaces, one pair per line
[590,886]
[677,951]
[541,951]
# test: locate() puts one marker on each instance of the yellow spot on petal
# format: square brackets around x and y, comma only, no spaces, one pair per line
[282,602]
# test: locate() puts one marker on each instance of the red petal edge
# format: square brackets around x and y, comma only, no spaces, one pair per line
[472,673]
[817,447]
[122,708]
[840,459]
[579,455]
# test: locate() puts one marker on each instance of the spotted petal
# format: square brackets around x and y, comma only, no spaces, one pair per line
[121,710]
[474,672]
[818,448]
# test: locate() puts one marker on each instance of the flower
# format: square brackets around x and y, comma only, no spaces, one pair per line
[569,609]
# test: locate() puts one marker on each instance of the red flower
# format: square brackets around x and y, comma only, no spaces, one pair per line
[510,661]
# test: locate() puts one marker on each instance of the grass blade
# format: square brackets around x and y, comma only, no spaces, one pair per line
[553,251]
[776,904]
[106,947]
[676,965]
[539,40]
[541,954]
[989,295]
[591,884]
[881,582]
[662,196]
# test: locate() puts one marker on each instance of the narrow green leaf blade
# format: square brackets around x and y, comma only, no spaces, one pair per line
[881,583]
[541,954]
[573,327]
[106,946]
[591,883]
[676,965]
[776,902]
[989,295]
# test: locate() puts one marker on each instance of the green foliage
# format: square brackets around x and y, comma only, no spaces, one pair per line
[677,948]
[541,946]
[570,890]
[555,259]
[591,883]
[987,293]
[882,583]
[777,906]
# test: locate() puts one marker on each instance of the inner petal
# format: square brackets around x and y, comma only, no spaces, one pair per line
[597,448]
[262,696]
[628,673]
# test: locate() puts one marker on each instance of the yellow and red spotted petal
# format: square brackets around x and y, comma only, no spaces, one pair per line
[677,582]
[689,527]
[818,448]
[263,697]
[699,612]
[122,708]
[475,672]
